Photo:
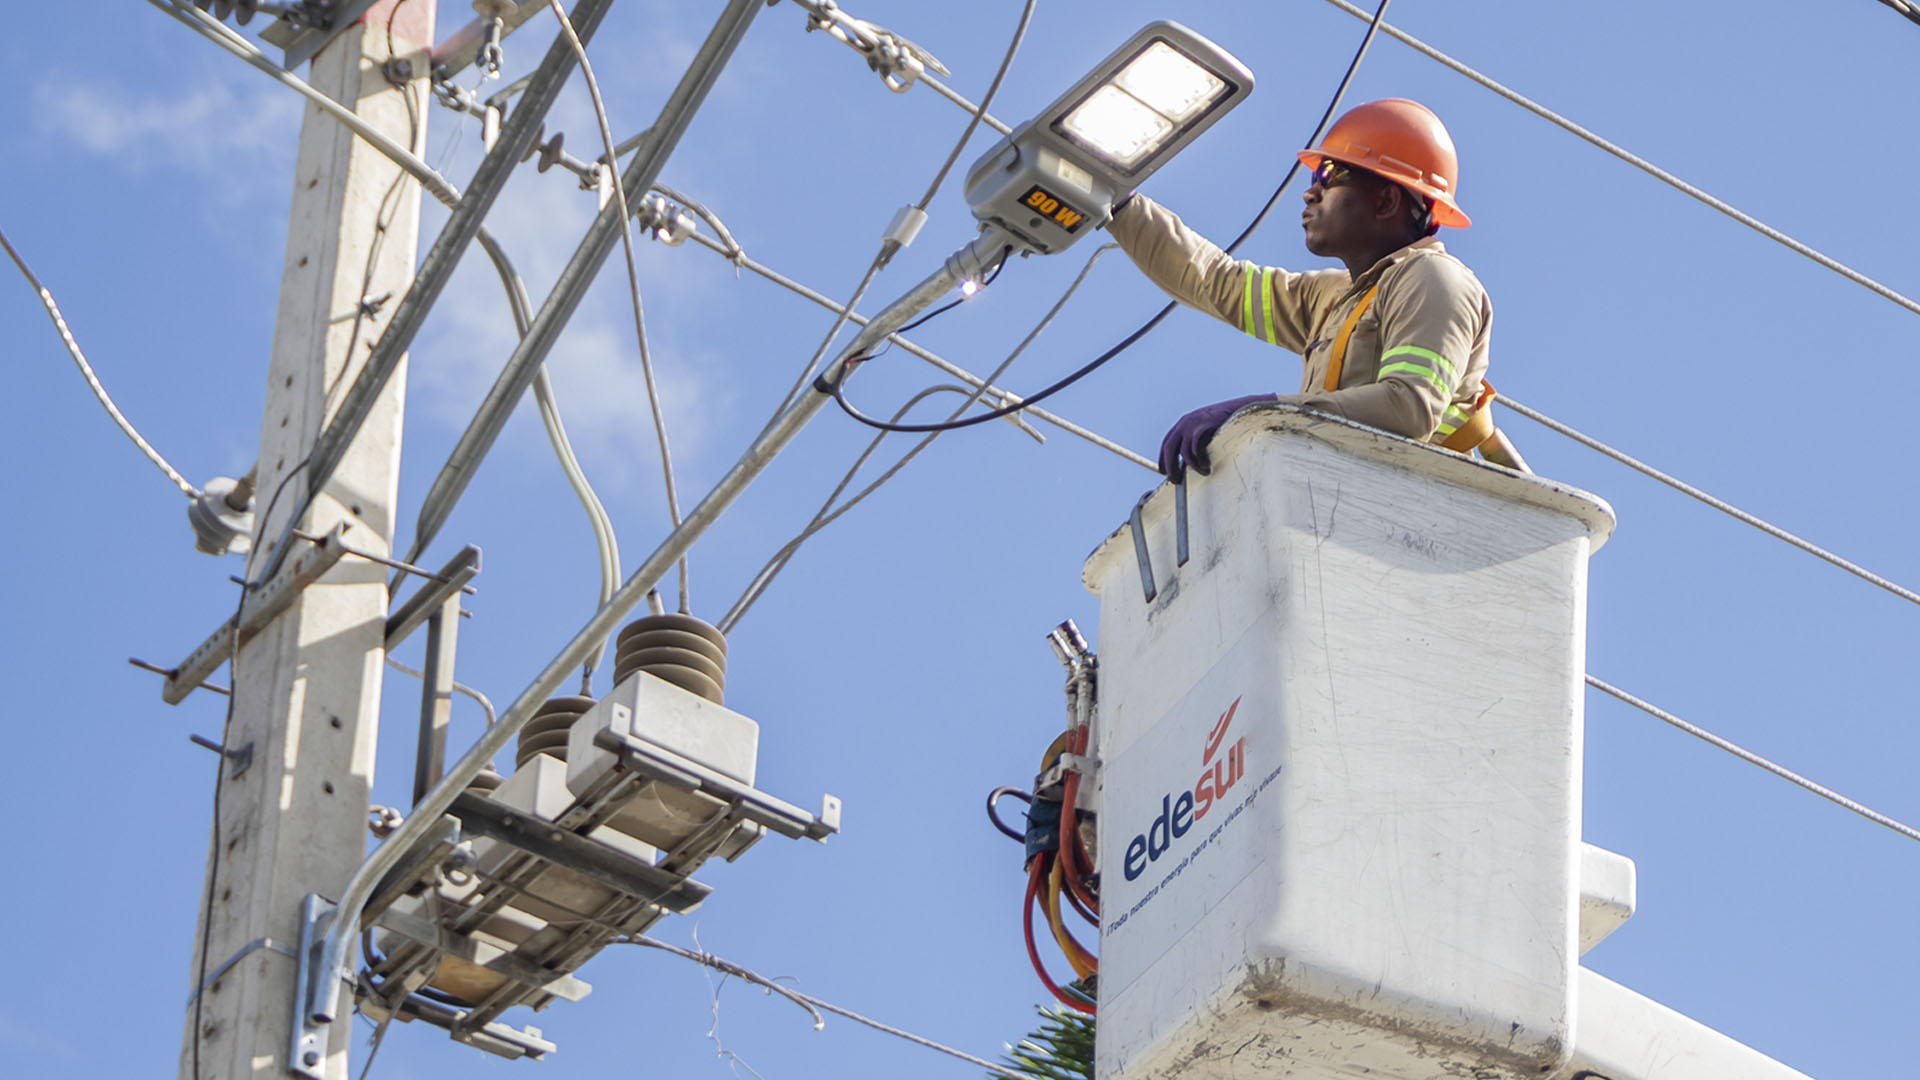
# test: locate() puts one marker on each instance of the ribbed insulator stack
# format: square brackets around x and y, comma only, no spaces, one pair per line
[546,733]
[687,652]
[485,781]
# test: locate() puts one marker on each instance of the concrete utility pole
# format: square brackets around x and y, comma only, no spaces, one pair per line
[306,690]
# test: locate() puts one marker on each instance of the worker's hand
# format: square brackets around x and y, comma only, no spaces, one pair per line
[1186,443]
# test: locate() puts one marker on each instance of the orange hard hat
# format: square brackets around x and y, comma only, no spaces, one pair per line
[1401,141]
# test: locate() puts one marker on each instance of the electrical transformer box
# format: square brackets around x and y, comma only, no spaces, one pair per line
[1338,743]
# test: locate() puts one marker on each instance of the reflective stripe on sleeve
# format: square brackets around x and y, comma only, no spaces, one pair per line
[1246,303]
[1266,306]
[1258,321]
[1420,363]
[1451,420]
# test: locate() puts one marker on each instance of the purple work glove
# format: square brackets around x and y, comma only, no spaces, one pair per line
[1186,443]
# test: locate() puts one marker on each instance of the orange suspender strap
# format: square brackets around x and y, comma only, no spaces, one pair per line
[1465,439]
[1339,356]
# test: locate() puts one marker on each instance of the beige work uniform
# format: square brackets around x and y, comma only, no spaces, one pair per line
[1416,358]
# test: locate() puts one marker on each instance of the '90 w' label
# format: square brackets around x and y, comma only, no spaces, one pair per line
[1047,205]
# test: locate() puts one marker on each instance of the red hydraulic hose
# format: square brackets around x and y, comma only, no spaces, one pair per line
[1072,854]
[1084,963]
[1033,952]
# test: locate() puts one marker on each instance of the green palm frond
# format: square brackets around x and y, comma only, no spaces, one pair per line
[1061,1049]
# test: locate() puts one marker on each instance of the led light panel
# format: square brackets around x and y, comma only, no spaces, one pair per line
[1117,125]
[1169,83]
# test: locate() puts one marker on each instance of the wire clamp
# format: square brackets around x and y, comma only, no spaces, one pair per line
[898,61]
[895,62]
[665,222]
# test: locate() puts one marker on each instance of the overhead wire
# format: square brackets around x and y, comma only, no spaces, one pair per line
[1752,758]
[1638,162]
[822,517]
[438,186]
[813,1005]
[837,388]
[633,277]
[823,13]
[828,512]
[889,245]
[486,706]
[1719,504]
[742,260]
[93,381]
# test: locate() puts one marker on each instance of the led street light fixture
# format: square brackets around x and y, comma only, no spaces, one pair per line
[1058,175]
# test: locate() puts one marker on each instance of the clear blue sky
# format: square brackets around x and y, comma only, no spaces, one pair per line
[899,663]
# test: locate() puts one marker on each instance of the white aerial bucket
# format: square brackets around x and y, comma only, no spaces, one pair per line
[1339,759]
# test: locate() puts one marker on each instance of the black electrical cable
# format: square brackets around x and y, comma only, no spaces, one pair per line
[987,279]
[993,814]
[836,387]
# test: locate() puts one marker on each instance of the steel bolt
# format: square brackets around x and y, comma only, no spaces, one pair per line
[311,1057]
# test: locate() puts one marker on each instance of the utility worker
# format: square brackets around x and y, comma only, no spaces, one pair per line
[1397,340]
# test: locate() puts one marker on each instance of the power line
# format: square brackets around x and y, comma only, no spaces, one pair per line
[738,257]
[814,1005]
[837,388]
[486,706]
[93,381]
[862,37]
[633,276]
[828,513]
[438,186]
[1721,505]
[1752,758]
[892,242]
[1639,162]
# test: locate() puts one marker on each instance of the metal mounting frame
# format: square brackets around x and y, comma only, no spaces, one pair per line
[644,893]
[493,1037]
[302,42]
[583,855]
[262,607]
[436,604]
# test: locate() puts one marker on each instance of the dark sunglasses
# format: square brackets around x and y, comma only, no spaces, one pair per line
[1331,173]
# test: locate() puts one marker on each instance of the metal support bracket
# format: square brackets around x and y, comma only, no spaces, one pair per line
[656,763]
[494,1037]
[1180,522]
[302,42]
[266,604]
[437,603]
[402,877]
[307,1049]
[479,953]
[430,597]
[1138,526]
[583,855]
[239,759]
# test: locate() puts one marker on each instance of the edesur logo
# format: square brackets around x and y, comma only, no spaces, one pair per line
[1218,772]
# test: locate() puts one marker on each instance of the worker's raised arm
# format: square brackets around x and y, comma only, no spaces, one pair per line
[1273,305]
